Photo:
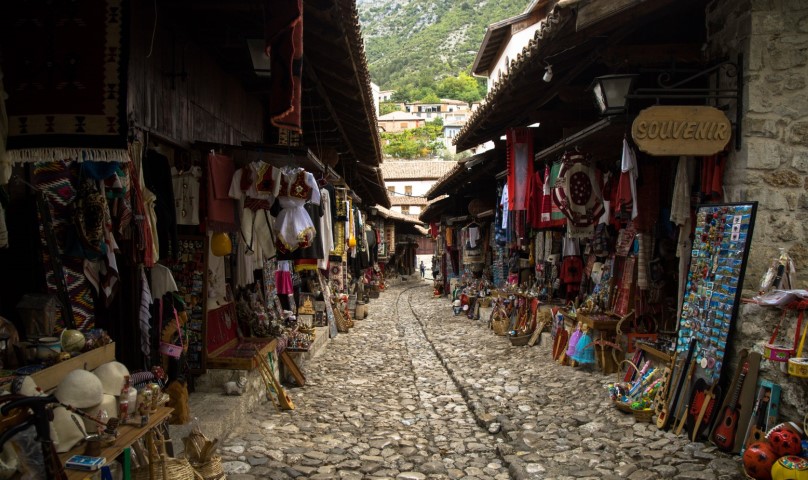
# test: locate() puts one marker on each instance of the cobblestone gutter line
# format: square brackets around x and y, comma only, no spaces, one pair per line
[556,421]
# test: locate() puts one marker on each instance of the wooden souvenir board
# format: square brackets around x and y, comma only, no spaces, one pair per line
[191,275]
[226,349]
[723,235]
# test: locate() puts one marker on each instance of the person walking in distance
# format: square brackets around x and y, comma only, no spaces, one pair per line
[423,269]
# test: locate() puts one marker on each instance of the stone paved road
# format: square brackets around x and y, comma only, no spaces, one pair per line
[413,392]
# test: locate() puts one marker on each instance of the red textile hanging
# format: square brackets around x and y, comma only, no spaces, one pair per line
[520,166]
[284,46]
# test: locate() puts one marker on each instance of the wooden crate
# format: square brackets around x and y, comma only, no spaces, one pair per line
[50,377]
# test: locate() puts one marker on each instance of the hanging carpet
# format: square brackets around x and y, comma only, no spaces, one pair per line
[577,190]
[54,179]
[65,75]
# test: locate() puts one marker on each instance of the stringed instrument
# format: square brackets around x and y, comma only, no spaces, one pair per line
[282,400]
[560,345]
[686,409]
[702,409]
[757,428]
[664,417]
[724,434]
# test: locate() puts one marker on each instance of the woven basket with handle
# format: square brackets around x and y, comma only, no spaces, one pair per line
[211,470]
[161,466]
[342,324]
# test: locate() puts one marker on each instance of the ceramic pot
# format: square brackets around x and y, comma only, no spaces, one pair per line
[48,347]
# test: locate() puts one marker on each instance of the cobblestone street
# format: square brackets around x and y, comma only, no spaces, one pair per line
[413,392]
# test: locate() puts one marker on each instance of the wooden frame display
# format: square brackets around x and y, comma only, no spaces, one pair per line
[723,235]
[190,272]
[226,348]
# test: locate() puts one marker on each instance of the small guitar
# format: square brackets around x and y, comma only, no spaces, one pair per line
[724,434]
[757,429]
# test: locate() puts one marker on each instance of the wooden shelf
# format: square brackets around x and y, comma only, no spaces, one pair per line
[49,378]
[653,352]
[127,435]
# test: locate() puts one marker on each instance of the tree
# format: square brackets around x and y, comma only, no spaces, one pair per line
[430,97]
[418,142]
[462,87]
[387,107]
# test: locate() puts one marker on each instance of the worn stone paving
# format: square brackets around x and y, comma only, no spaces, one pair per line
[414,392]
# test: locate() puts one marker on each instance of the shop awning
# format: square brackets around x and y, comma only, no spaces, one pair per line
[467,170]
[435,209]
[574,36]
[337,108]
[396,216]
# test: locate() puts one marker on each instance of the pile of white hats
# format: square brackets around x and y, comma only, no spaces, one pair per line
[91,392]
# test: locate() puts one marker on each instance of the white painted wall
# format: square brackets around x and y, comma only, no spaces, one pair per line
[414,209]
[374,89]
[515,46]
[419,187]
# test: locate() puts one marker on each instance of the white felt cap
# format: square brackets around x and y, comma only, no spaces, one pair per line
[112,376]
[80,389]
[68,434]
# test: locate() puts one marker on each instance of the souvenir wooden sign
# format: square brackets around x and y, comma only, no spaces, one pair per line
[664,130]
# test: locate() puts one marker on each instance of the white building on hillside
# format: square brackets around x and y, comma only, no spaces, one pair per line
[408,180]
[506,39]
[454,111]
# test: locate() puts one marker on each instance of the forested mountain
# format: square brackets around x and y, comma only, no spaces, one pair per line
[411,44]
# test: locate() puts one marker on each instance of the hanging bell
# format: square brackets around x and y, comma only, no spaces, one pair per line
[220,244]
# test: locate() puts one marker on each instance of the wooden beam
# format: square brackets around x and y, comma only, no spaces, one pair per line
[652,55]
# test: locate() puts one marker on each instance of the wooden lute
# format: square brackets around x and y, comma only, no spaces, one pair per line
[724,434]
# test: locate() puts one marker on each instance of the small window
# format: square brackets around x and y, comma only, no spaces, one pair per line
[403,125]
[391,189]
[407,189]
[405,209]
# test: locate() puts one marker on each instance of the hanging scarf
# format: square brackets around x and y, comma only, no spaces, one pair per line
[520,166]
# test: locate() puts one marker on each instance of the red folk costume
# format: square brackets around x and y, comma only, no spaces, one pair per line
[293,226]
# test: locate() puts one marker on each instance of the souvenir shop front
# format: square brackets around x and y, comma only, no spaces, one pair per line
[623,238]
[155,228]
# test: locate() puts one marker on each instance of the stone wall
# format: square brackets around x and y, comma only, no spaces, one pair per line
[772,164]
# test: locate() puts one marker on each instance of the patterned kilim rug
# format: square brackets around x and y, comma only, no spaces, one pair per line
[66,79]
[54,179]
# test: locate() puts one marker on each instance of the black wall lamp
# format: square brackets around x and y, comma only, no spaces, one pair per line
[612,92]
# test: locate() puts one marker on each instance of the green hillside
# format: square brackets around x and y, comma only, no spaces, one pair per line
[411,44]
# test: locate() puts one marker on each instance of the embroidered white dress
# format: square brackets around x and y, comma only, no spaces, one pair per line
[293,227]
[255,188]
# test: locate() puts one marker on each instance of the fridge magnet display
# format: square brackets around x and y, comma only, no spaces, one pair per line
[723,234]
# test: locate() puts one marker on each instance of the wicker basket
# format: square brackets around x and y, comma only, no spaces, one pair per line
[643,415]
[211,470]
[520,340]
[623,406]
[500,324]
[162,467]
[342,324]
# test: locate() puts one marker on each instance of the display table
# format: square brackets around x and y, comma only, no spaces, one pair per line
[127,435]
